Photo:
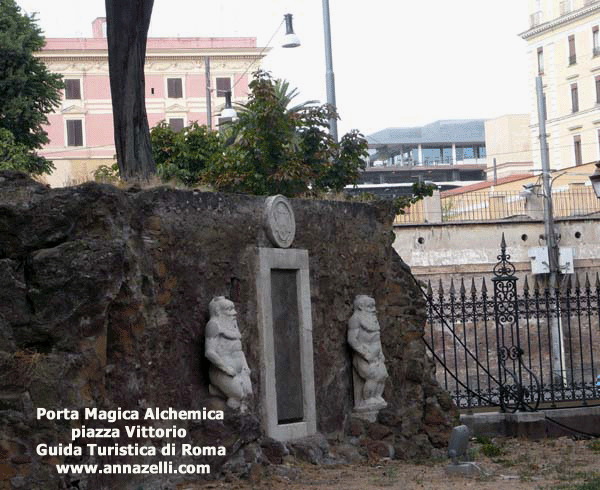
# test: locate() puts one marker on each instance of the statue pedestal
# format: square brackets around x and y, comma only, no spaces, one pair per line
[365,409]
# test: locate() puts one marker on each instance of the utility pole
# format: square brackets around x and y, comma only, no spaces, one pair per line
[554,271]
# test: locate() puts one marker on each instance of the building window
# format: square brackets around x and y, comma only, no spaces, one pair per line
[540,60]
[572,54]
[597,80]
[595,41]
[174,88]
[176,124]
[73,89]
[574,98]
[565,7]
[223,86]
[74,132]
[577,148]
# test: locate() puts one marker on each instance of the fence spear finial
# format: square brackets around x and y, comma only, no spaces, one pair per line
[463,291]
[473,288]
[568,284]
[429,289]
[441,289]
[526,286]
[587,282]
[577,285]
[452,290]
[483,287]
[536,285]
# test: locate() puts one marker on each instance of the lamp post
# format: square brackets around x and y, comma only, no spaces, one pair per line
[329,77]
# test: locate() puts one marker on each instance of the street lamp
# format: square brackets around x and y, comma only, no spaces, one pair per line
[228,111]
[292,41]
[595,179]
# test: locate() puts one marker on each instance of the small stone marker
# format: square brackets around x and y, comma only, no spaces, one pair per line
[459,443]
[457,450]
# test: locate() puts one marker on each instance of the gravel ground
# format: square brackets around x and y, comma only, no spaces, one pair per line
[507,464]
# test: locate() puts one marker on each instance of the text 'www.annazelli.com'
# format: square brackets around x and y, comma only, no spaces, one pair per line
[163,467]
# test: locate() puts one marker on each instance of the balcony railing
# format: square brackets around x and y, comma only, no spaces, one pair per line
[536,18]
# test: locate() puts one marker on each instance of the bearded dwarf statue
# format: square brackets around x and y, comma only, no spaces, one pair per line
[228,373]
[369,371]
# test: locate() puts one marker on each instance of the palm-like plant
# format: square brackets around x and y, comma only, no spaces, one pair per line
[276,148]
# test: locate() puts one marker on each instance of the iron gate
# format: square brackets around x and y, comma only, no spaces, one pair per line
[517,347]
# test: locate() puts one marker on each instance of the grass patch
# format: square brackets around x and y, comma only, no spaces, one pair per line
[594,446]
[491,450]
[593,484]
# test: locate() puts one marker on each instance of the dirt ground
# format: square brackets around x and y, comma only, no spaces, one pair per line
[508,464]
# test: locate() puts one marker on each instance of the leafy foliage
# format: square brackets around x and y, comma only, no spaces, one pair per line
[419,191]
[107,174]
[184,155]
[276,150]
[29,91]
[17,156]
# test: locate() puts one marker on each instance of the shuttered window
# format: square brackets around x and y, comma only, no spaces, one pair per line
[572,54]
[74,132]
[73,89]
[577,148]
[574,98]
[176,124]
[174,88]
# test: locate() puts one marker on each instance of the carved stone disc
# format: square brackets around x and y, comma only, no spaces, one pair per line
[280,224]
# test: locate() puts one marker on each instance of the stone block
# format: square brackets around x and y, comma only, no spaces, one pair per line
[469,470]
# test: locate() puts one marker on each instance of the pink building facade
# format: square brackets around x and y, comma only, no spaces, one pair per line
[81,129]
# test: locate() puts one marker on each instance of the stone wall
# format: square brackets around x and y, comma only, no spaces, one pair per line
[103,302]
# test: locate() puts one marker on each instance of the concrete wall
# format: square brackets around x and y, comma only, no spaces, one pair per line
[445,251]
[508,141]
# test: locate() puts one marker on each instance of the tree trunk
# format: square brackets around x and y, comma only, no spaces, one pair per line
[127,31]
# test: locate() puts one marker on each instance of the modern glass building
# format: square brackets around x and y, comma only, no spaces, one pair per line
[450,142]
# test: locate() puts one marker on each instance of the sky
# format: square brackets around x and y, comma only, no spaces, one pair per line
[396,63]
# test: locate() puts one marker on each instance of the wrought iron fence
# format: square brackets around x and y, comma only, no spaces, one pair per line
[516,349]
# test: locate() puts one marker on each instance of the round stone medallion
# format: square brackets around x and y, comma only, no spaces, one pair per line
[280,224]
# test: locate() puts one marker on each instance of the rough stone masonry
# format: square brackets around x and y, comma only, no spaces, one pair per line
[104,299]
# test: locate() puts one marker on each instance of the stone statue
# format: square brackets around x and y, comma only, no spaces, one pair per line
[228,373]
[368,360]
